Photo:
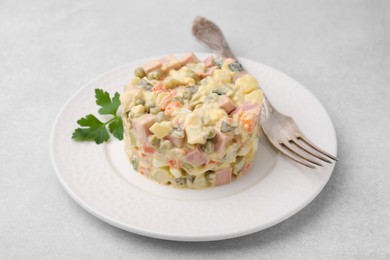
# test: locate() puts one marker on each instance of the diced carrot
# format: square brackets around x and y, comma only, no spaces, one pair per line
[172,107]
[148,149]
[246,167]
[144,170]
[213,162]
[248,121]
[174,163]
[159,87]
[164,102]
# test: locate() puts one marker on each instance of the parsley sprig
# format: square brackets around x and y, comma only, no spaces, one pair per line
[92,129]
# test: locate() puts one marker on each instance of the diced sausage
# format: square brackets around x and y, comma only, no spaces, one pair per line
[141,126]
[226,104]
[189,58]
[223,176]
[170,62]
[221,141]
[196,157]
[208,72]
[150,66]
[209,62]
[176,141]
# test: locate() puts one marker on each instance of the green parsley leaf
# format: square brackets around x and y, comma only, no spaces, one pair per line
[92,129]
[109,107]
[116,128]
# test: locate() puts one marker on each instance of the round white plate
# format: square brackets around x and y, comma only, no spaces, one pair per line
[102,181]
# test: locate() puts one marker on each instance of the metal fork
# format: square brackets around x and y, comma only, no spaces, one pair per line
[281,130]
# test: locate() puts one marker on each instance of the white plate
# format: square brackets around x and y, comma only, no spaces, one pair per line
[101,180]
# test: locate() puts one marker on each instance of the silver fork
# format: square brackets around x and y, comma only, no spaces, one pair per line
[281,130]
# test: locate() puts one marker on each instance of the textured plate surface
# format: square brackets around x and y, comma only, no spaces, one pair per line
[101,180]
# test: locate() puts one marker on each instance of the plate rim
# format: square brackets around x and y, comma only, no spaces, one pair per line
[183,237]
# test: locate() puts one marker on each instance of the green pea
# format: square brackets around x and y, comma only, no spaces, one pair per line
[156,74]
[139,72]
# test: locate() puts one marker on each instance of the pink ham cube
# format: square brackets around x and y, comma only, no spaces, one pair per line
[150,66]
[141,126]
[223,176]
[176,141]
[251,108]
[208,72]
[189,58]
[226,104]
[209,62]
[221,141]
[196,157]
[170,62]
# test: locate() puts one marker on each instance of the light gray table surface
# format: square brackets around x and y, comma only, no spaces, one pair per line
[339,50]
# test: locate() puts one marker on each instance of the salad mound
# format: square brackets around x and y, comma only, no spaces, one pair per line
[190,123]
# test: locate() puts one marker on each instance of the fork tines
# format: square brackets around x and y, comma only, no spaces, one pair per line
[302,151]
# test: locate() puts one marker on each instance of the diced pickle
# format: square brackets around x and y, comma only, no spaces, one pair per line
[240,163]
[161,117]
[208,147]
[154,141]
[218,61]
[235,66]
[220,91]
[164,146]
[178,132]
[179,182]
[134,163]
[145,84]
[226,127]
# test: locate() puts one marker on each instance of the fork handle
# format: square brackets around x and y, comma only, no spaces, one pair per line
[209,34]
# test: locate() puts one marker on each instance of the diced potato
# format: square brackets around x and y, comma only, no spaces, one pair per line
[159,162]
[216,114]
[255,97]
[162,175]
[223,75]
[135,81]
[196,135]
[176,172]
[138,110]
[193,119]
[247,84]
[200,182]
[161,129]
